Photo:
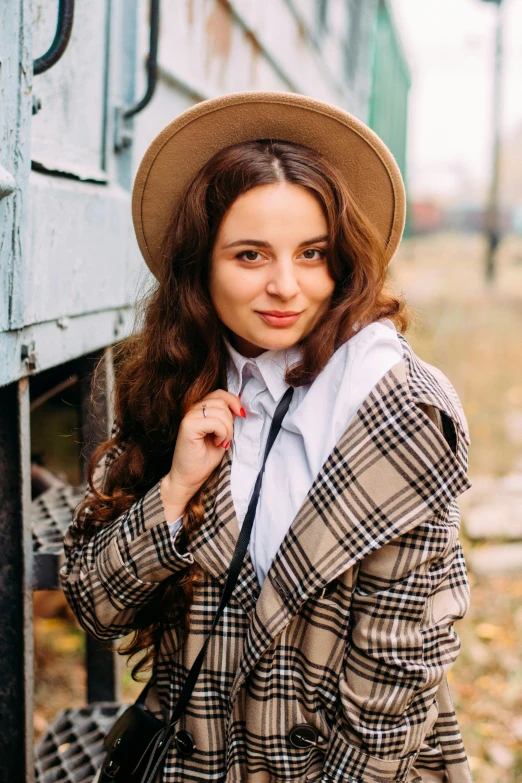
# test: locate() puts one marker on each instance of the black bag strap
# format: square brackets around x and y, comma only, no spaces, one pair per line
[165,737]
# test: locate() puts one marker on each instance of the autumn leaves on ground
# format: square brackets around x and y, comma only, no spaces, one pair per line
[474,335]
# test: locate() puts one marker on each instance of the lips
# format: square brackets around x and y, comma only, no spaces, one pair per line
[280,313]
[279,317]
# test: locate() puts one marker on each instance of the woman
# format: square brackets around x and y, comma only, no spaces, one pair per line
[269,220]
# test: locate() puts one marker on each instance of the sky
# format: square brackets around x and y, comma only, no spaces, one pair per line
[450,46]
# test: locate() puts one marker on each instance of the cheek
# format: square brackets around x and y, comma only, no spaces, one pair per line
[320,286]
[228,286]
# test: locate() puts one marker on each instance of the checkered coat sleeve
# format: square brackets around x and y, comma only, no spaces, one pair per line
[406,598]
[117,570]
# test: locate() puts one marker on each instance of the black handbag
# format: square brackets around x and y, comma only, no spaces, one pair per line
[129,743]
[138,742]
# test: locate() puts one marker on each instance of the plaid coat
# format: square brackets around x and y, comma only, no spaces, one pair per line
[352,631]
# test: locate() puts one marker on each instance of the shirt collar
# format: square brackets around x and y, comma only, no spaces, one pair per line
[272,366]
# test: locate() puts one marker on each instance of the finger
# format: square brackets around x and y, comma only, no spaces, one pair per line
[219,423]
[215,402]
[214,406]
[232,401]
[215,427]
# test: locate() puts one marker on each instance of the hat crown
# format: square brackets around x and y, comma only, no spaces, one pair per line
[180,150]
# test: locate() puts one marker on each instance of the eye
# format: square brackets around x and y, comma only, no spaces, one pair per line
[246,255]
[321,253]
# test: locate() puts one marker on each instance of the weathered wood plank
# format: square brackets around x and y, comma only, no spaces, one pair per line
[15,117]
[59,341]
[68,130]
[86,262]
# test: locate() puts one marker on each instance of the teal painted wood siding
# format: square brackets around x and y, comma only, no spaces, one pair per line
[69,264]
[391,82]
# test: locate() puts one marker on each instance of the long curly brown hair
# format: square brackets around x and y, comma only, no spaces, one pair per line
[178,355]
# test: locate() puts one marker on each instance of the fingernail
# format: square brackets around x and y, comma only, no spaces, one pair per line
[240,393]
[226,445]
[242,412]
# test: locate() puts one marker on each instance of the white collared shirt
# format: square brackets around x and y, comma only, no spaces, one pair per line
[318,415]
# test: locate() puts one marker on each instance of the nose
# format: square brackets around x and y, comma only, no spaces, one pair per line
[283,281]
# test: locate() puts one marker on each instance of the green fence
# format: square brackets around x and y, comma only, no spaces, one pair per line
[390,85]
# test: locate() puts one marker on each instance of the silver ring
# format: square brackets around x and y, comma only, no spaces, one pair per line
[204,409]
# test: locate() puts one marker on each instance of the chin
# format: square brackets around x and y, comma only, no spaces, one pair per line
[278,342]
[250,346]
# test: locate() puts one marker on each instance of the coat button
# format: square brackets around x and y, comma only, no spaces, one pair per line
[303,736]
[184,742]
[328,589]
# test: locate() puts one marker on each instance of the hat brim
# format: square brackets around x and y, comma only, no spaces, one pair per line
[178,152]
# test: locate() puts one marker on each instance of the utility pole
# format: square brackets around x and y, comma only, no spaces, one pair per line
[492,215]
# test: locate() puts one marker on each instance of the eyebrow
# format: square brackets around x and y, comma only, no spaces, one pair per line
[261,243]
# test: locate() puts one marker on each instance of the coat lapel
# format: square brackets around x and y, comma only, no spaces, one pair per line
[390,470]
[213,544]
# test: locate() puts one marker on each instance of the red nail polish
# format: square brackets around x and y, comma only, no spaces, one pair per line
[242,412]
[226,445]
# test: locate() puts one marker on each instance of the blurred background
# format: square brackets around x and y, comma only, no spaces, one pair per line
[85,86]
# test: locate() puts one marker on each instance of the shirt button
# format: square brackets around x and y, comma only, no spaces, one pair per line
[303,736]
[184,742]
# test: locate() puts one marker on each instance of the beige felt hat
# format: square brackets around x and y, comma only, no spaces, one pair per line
[188,142]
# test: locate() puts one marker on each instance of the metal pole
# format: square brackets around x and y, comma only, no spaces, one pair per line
[492,216]
[16,593]
[103,666]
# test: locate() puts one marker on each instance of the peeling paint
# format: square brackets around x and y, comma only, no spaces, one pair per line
[301,34]
[190,12]
[56,167]
[219,29]
[255,55]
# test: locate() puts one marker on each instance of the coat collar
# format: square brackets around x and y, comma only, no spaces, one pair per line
[429,385]
[390,470]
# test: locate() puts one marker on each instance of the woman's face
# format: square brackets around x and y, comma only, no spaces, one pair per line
[268,260]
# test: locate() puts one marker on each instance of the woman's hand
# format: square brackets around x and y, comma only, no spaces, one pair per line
[199,448]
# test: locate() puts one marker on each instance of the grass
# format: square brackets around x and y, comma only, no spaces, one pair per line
[473,333]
